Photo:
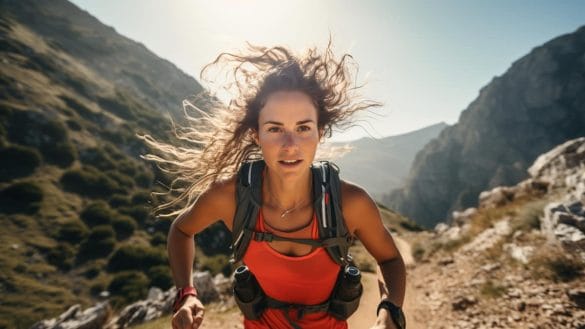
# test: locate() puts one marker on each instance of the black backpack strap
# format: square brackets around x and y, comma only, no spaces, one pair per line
[327,204]
[269,237]
[327,196]
[248,202]
[301,309]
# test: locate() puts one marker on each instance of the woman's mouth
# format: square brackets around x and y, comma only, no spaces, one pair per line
[290,163]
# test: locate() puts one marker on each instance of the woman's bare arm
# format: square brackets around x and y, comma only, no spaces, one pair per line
[216,203]
[364,221]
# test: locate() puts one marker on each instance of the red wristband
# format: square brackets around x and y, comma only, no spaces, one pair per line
[182,294]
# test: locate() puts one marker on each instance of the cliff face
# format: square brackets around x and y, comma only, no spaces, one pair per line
[538,103]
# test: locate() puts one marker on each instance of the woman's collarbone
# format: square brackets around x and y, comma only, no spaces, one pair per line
[291,223]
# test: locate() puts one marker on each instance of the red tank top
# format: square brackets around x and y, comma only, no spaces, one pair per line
[307,279]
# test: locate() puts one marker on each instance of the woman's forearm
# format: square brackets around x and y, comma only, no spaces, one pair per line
[181,252]
[392,280]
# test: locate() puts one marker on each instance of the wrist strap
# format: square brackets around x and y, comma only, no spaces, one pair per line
[387,304]
[395,312]
[182,294]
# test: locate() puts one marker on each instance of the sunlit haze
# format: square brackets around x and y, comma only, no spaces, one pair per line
[426,61]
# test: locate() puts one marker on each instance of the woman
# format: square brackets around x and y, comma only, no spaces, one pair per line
[284,107]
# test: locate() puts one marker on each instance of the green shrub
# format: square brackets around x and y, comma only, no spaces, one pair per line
[89,182]
[62,256]
[79,108]
[126,183]
[98,244]
[124,226]
[216,264]
[491,289]
[94,269]
[97,287]
[97,157]
[163,225]
[72,232]
[141,197]
[127,167]
[127,287]
[60,154]
[119,200]
[32,128]
[160,276]
[140,213]
[136,257]
[118,106]
[97,213]
[144,179]
[215,239]
[73,125]
[158,239]
[23,197]
[18,161]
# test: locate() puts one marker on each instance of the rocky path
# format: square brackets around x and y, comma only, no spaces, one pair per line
[416,315]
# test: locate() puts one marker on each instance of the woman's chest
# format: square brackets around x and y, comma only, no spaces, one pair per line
[301,225]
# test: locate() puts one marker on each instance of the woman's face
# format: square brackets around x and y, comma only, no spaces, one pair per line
[288,133]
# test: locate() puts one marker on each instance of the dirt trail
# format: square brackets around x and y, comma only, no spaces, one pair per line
[366,314]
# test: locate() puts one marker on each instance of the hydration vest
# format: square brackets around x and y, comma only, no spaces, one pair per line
[333,233]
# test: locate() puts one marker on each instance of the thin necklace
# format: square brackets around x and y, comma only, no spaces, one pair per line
[288,211]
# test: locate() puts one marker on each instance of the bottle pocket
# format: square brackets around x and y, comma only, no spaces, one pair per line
[252,309]
[342,309]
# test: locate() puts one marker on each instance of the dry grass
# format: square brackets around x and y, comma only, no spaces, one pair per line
[552,262]
[491,289]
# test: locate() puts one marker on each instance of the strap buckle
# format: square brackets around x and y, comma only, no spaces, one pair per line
[263,236]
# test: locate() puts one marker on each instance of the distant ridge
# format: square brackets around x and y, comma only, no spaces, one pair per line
[382,164]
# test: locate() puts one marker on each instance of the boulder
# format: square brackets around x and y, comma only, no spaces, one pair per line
[92,318]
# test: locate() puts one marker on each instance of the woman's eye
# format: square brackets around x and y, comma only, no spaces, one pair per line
[273,129]
[304,128]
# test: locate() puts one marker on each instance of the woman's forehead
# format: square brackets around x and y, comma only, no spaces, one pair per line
[284,106]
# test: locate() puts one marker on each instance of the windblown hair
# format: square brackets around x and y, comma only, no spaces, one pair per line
[219,139]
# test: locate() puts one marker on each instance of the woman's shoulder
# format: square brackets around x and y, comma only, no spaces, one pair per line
[219,199]
[355,203]
[352,193]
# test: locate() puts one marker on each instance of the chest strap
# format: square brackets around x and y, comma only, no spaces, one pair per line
[301,309]
[329,242]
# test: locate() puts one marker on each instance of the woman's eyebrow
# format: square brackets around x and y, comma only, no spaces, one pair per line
[282,124]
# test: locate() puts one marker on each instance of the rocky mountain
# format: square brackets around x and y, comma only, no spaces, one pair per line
[515,261]
[537,104]
[382,164]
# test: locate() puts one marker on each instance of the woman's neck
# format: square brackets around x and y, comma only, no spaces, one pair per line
[286,194]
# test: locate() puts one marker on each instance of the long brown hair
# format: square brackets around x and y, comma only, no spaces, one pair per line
[218,140]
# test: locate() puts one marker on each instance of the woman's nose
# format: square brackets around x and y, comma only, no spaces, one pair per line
[289,140]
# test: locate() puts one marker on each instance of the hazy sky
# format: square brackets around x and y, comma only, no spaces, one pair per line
[425,60]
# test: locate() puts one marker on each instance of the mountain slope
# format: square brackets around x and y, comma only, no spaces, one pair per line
[380,165]
[75,203]
[538,103]
[123,62]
